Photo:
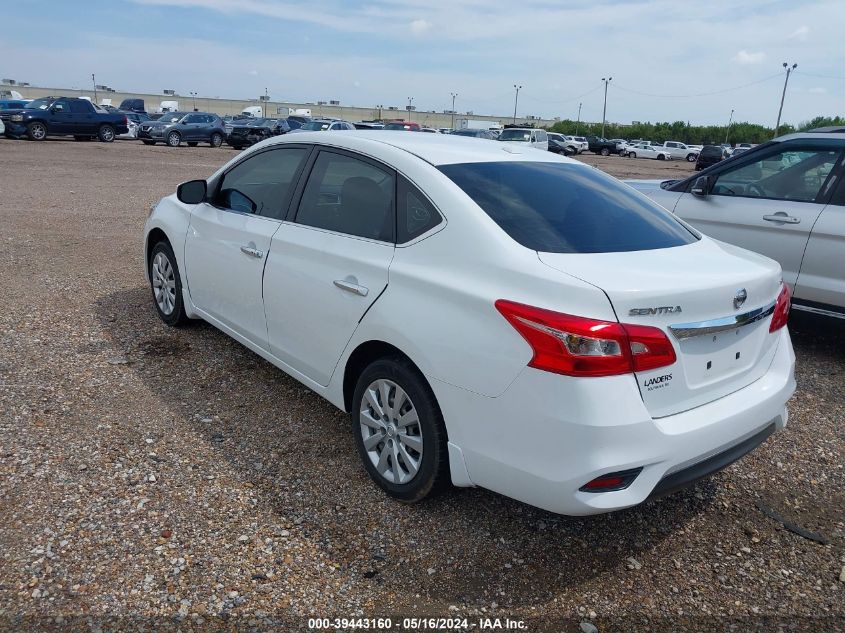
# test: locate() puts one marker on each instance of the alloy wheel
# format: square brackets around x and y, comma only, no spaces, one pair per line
[164,283]
[391,431]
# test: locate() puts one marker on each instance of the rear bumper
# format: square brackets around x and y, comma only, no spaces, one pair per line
[548,435]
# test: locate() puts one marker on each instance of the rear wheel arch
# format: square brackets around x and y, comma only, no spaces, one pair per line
[365,354]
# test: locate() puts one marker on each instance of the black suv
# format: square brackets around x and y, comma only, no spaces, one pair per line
[710,155]
[250,131]
[175,127]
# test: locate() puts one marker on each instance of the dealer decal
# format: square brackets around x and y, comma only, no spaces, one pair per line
[657,382]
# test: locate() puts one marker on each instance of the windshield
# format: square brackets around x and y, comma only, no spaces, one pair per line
[316,125]
[564,208]
[41,104]
[515,135]
[397,126]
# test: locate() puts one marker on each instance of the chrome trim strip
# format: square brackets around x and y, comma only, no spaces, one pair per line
[689,330]
[829,313]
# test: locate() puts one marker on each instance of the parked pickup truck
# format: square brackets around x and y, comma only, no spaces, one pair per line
[681,151]
[603,146]
[64,116]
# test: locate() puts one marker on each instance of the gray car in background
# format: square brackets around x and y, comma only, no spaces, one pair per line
[174,128]
[784,199]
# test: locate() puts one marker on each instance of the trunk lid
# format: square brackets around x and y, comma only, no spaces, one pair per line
[689,292]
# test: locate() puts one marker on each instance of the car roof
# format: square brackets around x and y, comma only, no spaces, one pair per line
[837,133]
[436,149]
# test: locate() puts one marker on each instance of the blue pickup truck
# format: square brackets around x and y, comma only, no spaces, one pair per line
[63,116]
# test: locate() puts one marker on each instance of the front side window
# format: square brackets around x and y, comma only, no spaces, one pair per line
[565,208]
[263,183]
[348,195]
[790,174]
[61,106]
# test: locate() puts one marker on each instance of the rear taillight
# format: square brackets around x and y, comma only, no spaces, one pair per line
[612,481]
[125,120]
[577,346]
[781,313]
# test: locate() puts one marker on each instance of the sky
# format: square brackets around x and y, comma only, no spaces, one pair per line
[669,59]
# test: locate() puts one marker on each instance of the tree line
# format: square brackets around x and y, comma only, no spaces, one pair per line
[740,131]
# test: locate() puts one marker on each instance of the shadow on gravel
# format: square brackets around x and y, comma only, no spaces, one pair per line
[466,546]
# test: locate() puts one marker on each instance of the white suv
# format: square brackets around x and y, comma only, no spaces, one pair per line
[489,315]
[784,199]
[530,136]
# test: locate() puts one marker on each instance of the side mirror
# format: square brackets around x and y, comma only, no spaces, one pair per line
[701,187]
[191,192]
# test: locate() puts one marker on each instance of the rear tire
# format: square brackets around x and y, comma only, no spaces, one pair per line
[661,157]
[216,140]
[106,134]
[632,154]
[36,131]
[174,139]
[166,285]
[396,435]
[691,158]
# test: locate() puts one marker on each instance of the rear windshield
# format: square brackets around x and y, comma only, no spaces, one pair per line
[515,135]
[712,150]
[565,208]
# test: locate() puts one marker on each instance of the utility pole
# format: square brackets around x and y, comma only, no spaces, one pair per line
[194,99]
[578,122]
[515,101]
[783,95]
[454,94]
[264,109]
[604,110]
[410,105]
[379,106]
[728,130]
[94,81]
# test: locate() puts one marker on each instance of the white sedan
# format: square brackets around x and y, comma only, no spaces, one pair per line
[489,314]
[644,150]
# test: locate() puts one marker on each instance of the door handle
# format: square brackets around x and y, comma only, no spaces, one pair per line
[252,252]
[782,218]
[352,287]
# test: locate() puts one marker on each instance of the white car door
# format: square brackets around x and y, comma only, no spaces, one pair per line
[330,262]
[767,203]
[229,238]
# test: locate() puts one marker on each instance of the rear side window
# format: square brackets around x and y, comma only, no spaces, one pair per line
[416,215]
[565,208]
[263,183]
[351,196]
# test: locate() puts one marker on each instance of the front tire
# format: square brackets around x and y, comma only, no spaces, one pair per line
[691,158]
[36,131]
[605,151]
[174,139]
[216,140]
[106,134]
[661,157]
[399,430]
[166,285]
[632,154]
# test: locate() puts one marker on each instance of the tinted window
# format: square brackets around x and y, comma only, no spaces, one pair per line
[712,150]
[80,106]
[791,174]
[263,183]
[564,208]
[61,105]
[416,215]
[349,196]
[515,135]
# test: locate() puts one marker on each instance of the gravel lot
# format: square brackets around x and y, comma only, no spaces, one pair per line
[161,478]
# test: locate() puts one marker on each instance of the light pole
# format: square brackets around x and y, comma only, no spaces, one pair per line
[410,105]
[94,81]
[728,130]
[194,99]
[454,94]
[515,101]
[604,110]
[264,109]
[578,122]
[379,106]
[789,69]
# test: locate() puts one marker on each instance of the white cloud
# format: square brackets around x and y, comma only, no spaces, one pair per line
[420,26]
[800,34]
[254,73]
[818,90]
[745,58]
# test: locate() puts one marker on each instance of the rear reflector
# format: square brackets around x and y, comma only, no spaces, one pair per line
[781,313]
[577,346]
[612,481]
